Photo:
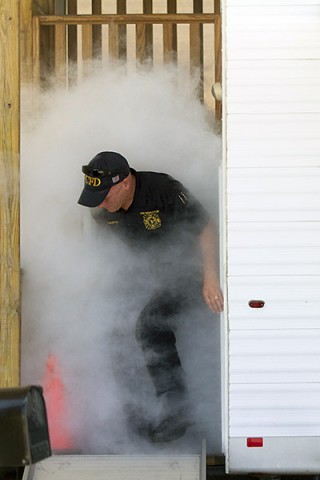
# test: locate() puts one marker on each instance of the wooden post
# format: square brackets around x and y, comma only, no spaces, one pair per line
[26,40]
[9,194]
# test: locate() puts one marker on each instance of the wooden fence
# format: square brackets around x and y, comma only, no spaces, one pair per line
[71,41]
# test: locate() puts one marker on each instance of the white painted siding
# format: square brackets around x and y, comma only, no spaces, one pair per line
[273,32]
[274,194]
[273,140]
[275,409]
[275,356]
[272,232]
[274,86]
[291,302]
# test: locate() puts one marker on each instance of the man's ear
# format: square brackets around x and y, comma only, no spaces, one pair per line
[125,183]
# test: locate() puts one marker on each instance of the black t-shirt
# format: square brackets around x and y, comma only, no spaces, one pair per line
[163,223]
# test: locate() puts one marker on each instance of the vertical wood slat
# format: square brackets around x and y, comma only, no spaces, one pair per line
[196,64]
[196,47]
[168,39]
[114,40]
[217,55]
[72,43]
[147,8]
[87,43]
[47,39]
[141,50]
[96,30]
[9,195]
[122,9]
[36,51]
[170,36]
[60,53]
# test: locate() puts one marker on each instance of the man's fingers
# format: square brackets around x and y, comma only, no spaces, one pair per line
[214,301]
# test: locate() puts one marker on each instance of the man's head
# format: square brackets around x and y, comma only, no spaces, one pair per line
[104,171]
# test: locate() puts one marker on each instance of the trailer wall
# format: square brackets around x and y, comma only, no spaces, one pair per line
[272,234]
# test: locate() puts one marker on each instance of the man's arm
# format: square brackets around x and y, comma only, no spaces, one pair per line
[211,284]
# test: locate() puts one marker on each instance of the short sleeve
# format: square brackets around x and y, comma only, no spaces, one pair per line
[186,208]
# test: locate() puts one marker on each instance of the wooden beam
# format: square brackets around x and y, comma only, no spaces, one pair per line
[129,18]
[9,194]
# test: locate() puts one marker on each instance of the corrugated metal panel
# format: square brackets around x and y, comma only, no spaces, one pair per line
[275,409]
[274,194]
[257,32]
[275,356]
[279,140]
[274,248]
[273,86]
[115,467]
[276,3]
[290,302]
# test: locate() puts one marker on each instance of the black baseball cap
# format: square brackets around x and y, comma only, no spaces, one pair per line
[104,171]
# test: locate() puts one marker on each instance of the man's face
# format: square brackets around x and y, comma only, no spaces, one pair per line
[115,198]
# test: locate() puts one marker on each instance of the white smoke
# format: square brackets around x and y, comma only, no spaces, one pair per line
[76,302]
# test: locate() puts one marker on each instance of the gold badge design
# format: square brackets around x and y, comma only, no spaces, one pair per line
[151,220]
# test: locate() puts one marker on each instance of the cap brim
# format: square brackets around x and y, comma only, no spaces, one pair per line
[92,199]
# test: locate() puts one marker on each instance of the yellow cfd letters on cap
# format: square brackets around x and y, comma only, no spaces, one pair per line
[92,181]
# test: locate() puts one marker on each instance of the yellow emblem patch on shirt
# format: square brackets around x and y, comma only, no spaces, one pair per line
[151,220]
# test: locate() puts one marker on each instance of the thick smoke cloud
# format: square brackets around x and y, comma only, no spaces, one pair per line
[77,303]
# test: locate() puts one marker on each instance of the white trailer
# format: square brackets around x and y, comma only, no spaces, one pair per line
[271,235]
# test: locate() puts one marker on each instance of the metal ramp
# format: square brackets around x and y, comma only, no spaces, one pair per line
[118,467]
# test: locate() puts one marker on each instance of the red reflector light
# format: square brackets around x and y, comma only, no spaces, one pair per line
[256,304]
[255,442]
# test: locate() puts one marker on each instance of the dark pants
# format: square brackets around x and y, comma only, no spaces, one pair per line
[155,331]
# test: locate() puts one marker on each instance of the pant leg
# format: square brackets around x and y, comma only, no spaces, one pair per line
[155,333]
